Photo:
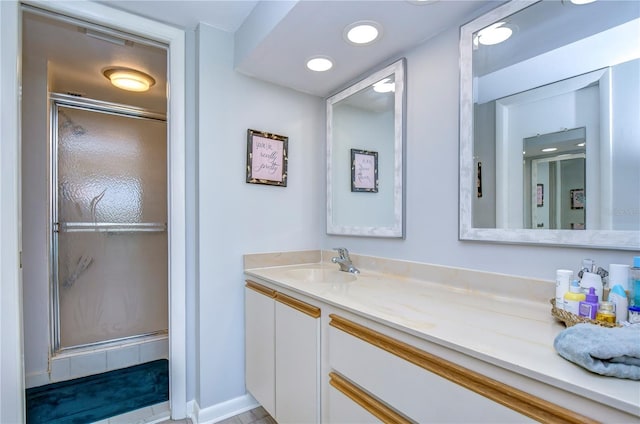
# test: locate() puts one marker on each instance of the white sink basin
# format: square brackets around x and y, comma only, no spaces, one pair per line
[321,275]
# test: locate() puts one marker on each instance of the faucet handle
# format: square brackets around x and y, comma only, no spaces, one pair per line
[342,251]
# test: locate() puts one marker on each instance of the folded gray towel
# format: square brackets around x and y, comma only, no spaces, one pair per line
[613,352]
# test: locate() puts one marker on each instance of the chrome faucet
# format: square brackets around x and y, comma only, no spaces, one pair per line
[344,261]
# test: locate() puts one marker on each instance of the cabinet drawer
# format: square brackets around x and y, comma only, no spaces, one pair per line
[427,388]
[348,403]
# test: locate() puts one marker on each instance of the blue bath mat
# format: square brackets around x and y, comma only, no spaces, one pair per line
[94,398]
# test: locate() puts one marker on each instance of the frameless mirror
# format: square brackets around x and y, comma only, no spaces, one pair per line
[550,125]
[365,156]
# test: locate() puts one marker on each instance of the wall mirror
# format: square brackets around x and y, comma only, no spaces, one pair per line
[550,125]
[365,156]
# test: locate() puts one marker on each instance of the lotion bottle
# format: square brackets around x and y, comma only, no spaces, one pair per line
[618,297]
[589,307]
[591,279]
[573,297]
[563,280]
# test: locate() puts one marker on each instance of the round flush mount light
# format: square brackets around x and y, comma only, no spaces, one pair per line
[320,63]
[129,79]
[493,34]
[362,32]
[422,2]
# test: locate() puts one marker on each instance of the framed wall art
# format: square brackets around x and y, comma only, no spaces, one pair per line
[577,198]
[540,195]
[364,171]
[267,158]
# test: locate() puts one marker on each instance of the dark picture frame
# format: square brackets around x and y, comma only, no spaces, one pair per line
[577,198]
[364,171]
[539,195]
[267,158]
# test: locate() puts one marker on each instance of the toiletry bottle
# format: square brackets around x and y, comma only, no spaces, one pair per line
[618,297]
[573,297]
[634,286]
[606,312]
[563,280]
[588,265]
[589,307]
[634,314]
[619,274]
[590,279]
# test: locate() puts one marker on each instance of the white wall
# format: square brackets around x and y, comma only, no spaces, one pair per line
[11,362]
[432,183]
[35,243]
[234,217]
[356,128]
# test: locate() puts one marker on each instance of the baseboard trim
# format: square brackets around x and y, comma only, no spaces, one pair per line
[223,410]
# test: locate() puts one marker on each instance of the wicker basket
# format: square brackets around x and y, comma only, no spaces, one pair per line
[570,319]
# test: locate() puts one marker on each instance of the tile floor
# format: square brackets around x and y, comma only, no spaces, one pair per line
[159,414]
[254,416]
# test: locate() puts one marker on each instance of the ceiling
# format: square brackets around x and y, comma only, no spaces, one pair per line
[273,40]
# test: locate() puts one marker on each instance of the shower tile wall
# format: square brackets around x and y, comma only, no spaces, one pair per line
[81,364]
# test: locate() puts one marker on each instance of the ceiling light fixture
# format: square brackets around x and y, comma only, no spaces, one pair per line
[550,149]
[581,2]
[493,34]
[320,63]
[581,144]
[129,79]
[362,32]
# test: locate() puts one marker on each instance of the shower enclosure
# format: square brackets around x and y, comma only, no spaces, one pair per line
[108,221]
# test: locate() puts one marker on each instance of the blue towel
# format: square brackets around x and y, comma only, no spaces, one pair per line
[613,352]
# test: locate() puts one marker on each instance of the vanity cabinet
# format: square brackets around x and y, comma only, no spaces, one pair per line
[260,333]
[398,382]
[282,338]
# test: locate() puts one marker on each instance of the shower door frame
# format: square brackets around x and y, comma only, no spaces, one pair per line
[57,100]
[12,351]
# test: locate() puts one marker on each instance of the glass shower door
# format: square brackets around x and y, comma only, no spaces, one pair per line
[109,214]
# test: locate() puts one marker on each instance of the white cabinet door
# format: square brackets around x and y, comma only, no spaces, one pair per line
[297,361]
[259,345]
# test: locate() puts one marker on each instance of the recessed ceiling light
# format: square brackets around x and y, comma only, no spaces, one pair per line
[129,79]
[362,32]
[550,149]
[320,63]
[493,34]
[579,2]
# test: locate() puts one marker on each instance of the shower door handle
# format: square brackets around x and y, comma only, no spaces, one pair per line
[109,227]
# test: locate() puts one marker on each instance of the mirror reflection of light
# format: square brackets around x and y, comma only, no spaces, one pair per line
[550,149]
[384,86]
[493,34]
[581,144]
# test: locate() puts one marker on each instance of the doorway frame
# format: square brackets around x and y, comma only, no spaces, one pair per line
[12,403]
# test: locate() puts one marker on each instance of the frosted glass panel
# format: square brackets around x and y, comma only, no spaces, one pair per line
[111,241]
[111,168]
[111,286]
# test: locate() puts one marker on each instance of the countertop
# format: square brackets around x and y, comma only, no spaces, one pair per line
[515,333]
